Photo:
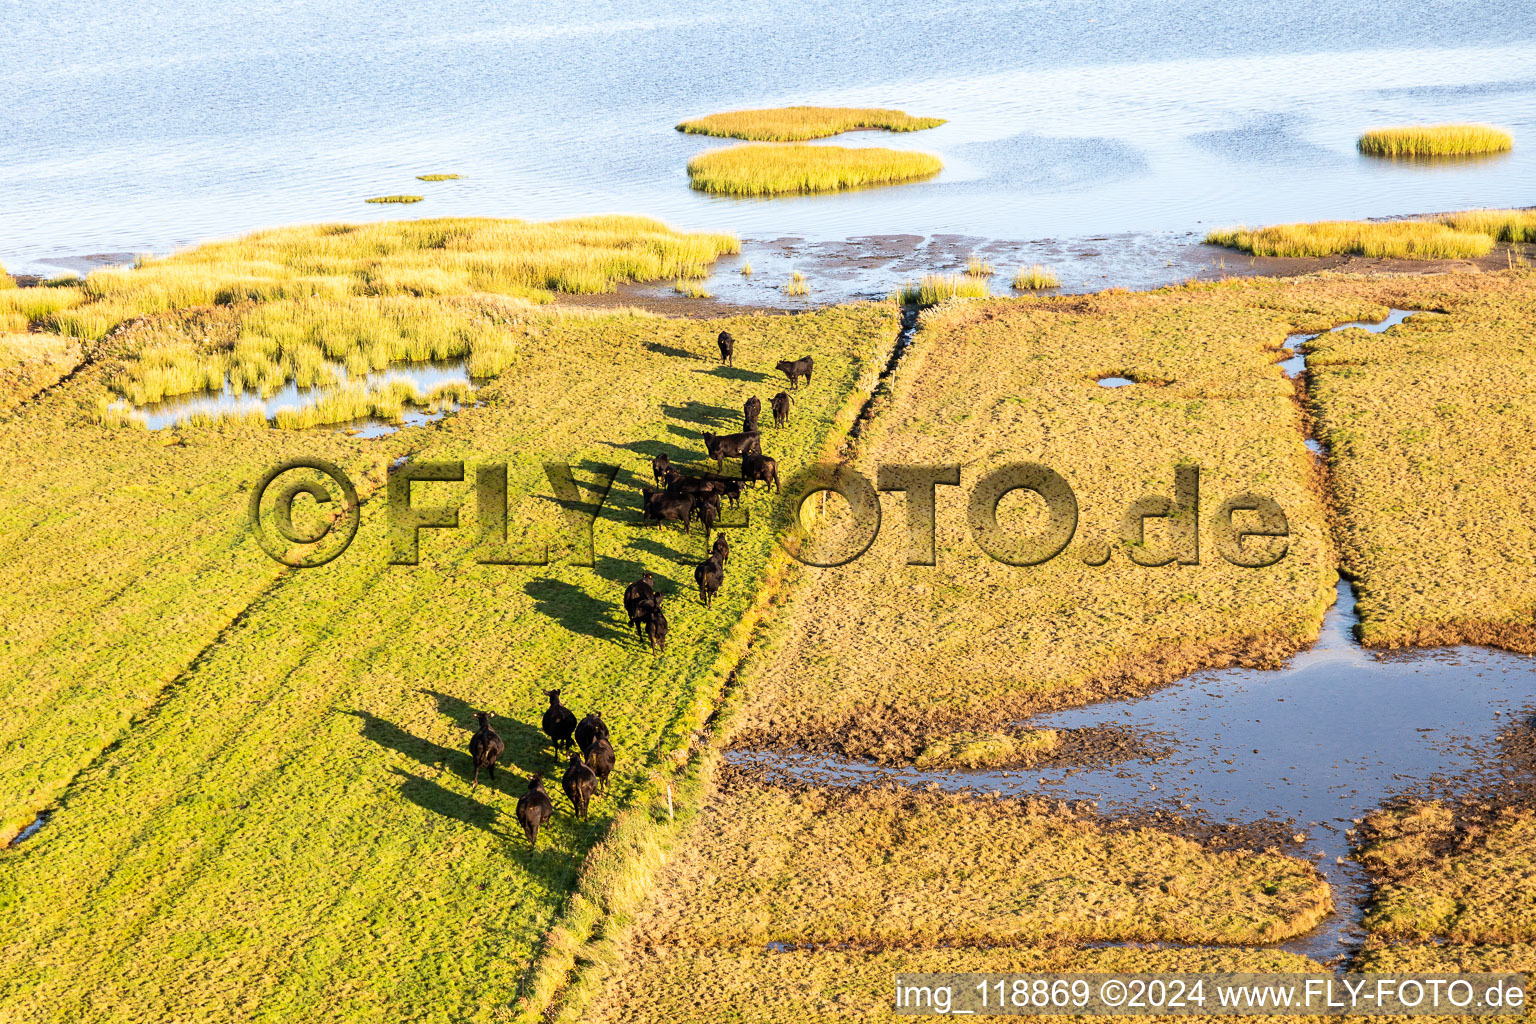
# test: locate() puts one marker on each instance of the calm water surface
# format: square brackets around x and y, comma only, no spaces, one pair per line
[142,127]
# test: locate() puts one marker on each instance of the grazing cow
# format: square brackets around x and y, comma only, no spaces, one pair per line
[659,505]
[656,627]
[780,406]
[709,575]
[721,551]
[760,468]
[660,467]
[749,413]
[727,347]
[641,613]
[534,808]
[590,729]
[580,783]
[795,370]
[559,721]
[485,747]
[600,759]
[709,512]
[732,446]
[639,590]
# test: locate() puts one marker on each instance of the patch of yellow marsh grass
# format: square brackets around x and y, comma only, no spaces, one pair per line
[831,986]
[441,257]
[1428,429]
[878,657]
[1035,278]
[936,288]
[768,170]
[897,867]
[796,124]
[988,749]
[394,199]
[31,362]
[1485,894]
[1430,140]
[1395,239]
[1500,225]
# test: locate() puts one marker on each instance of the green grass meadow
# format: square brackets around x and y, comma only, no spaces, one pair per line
[256,777]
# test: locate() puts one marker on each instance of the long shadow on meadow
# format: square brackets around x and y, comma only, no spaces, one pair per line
[574,609]
[671,351]
[734,373]
[526,743]
[460,807]
[703,413]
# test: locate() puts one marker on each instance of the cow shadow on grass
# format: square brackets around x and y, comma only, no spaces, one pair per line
[524,742]
[736,373]
[672,350]
[671,554]
[574,609]
[621,572]
[460,807]
[648,450]
[704,413]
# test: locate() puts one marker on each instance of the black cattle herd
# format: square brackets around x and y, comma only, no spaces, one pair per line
[680,498]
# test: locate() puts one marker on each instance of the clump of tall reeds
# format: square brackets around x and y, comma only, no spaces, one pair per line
[796,124]
[1398,239]
[797,284]
[1431,140]
[359,401]
[433,257]
[6,280]
[978,267]
[692,290]
[939,287]
[765,170]
[1035,278]
[394,199]
[1500,225]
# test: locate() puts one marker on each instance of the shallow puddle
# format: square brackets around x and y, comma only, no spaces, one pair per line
[1317,744]
[424,377]
[1297,364]
[1114,382]
[31,830]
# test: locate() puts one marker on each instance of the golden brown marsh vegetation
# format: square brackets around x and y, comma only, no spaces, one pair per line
[895,867]
[1427,429]
[796,124]
[767,170]
[875,658]
[689,986]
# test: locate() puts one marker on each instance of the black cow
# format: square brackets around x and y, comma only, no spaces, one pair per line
[659,505]
[732,446]
[727,487]
[780,405]
[709,575]
[600,759]
[749,414]
[795,370]
[660,467]
[534,808]
[656,626]
[727,347]
[721,551]
[559,721]
[755,468]
[640,613]
[580,783]
[589,729]
[485,747]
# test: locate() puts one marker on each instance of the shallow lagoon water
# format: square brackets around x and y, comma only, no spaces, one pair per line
[156,125]
[1319,744]
[425,377]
